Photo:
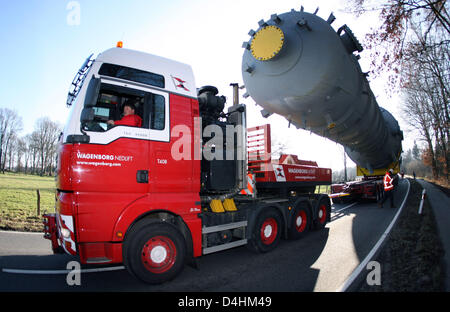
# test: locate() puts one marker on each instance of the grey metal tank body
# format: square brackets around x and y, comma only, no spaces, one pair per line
[314,80]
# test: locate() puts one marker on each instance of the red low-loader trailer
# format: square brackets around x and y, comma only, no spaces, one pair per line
[188,182]
[367,187]
[370,189]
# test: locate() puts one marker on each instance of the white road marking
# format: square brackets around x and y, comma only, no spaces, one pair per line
[346,207]
[374,250]
[43,272]
[18,232]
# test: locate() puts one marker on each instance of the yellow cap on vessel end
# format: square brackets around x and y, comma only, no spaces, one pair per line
[267,43]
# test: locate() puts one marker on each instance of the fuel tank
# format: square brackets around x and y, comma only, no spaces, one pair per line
[296,65]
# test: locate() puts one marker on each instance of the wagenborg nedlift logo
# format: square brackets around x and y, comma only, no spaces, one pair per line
[179,83]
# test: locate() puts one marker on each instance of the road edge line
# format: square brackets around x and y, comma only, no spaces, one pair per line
[349,281]
[20,232]
[53,272]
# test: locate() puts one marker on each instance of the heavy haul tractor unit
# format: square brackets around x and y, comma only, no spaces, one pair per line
[297,66]
[189,181]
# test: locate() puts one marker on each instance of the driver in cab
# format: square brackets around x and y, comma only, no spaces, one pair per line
[129,117]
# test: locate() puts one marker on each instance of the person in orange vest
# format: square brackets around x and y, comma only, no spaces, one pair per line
[389,182]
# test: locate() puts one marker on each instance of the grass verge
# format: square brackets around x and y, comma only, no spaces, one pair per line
[18,201]
[411,258]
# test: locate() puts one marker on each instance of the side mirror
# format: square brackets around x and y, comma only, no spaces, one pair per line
[92,92]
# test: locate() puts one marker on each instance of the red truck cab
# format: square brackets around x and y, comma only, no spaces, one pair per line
[110,177]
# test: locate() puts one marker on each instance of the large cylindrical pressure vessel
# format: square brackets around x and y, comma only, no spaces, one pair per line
[296,65]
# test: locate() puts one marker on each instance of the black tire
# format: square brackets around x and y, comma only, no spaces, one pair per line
[267,231]
[323,213]
[300,222]
[154,252]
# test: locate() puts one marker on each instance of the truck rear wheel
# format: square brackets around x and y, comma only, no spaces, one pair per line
[267,231]
[323,213]
[300,222]
[154,252]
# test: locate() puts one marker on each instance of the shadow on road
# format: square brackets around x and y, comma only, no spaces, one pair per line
[286,268]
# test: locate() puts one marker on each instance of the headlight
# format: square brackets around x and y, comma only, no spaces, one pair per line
[65,233]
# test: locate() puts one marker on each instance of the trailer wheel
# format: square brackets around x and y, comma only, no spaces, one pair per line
[323,213]
[267,231]
[300,222]
[155,252]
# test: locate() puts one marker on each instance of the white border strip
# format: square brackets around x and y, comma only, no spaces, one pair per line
[20,271]
[371,254]
[19,232]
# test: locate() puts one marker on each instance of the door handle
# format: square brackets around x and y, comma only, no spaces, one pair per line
[142,176]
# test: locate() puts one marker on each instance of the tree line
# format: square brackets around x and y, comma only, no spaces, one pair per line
[412,46]
[413,163]
[33,153]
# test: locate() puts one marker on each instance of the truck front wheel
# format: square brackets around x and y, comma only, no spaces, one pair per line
[154,252]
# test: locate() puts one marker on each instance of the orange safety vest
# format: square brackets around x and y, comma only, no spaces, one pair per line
[388,182]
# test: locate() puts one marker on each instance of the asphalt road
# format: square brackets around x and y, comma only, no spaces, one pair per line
[321,261]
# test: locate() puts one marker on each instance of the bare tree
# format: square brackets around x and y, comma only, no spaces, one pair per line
[415,113]
[412,44]
[11,151]
[423,109]
[46,134]
[413,164]
[27,151]
[21,150]
[388,42]
[427,73]
[10,126]
[278,148]
[33,149]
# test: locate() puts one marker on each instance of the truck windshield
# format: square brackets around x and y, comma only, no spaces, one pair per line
[78,80]
[132,74]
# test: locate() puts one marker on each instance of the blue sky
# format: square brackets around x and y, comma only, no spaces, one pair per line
[41,51]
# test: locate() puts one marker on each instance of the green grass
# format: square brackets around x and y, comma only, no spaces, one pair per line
[323,189]
[18,201]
